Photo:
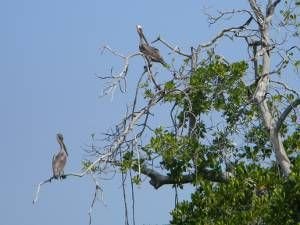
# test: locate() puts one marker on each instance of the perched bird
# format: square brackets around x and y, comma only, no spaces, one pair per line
[151,53]
[59,160]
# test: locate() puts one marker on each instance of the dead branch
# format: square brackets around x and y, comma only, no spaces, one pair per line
[97,189]
[174,49]
[222,14]
[115,80]
[223,32]
[39,187]
[286,112]
[286,87]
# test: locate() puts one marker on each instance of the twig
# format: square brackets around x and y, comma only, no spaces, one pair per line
[39,187]
[124,195]
[97,189]
[286,112]
[121,76]
[174,49]
[285,87]
[224,31]
[133,198]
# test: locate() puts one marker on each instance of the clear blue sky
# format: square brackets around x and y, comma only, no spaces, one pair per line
[48,60]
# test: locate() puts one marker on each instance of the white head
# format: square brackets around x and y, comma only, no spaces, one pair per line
[139,29]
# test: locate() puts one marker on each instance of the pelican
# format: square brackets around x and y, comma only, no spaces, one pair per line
[151,53]
[59,160]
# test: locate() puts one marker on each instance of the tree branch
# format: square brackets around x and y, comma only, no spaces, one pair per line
[90,167]
[286,112]
[271,7]
[39,187]
[221,34]
[258,13]
[117,79]
[157,179]
[262,86]
[174,49]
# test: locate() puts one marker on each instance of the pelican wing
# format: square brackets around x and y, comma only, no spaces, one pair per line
[152,53]
[58,164]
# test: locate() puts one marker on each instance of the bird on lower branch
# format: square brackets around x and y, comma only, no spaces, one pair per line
[59,160]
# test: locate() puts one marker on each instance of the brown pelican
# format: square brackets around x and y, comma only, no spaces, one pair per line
[151,53]
[59,160]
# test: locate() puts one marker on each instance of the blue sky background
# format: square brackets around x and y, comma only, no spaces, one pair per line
[48,61]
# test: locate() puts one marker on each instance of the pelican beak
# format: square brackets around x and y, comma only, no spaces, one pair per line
[59,137]
[141,33]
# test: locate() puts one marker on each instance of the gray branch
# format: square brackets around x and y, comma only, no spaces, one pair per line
[258,13]
[268,118]
[157,179]
[221,34]
[286,112]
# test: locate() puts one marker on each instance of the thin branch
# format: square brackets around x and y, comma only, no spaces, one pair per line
[97,189]
[286,112]
[174,49]
[223,32]
[132,197]
[121,76]
[124,196]
[39,187]
[214,19]
[285,87]
[92,204]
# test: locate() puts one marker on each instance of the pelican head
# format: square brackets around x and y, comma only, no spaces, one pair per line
[59,137]
[60,140]
[139,30]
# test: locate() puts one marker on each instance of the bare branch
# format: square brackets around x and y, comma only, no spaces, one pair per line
[286,87]
[286,112]
[223,32]
[39,187]
[115,80]
[174,49]
[222,14]
[97,189]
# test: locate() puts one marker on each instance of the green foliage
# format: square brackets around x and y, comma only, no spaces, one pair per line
[292,142]
[258,146]
[176,152]
[257,194]
[87,165]
[254,196]
[216,86]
